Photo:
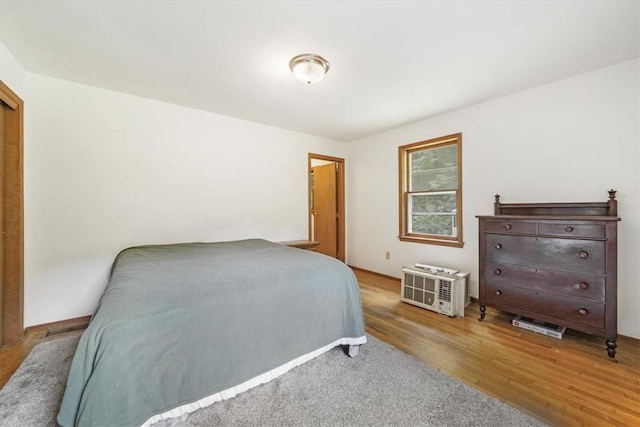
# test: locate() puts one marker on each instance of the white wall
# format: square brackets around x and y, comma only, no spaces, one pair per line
[105,171]
[12,73]
[571,140]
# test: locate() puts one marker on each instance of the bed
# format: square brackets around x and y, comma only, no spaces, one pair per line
[182,326]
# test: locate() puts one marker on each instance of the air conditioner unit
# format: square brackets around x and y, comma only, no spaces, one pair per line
[438,289]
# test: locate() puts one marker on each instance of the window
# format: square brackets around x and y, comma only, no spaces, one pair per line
[431,191]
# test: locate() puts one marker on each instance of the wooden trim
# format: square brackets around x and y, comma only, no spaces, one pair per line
[384,276]
[9,97]
[440,242]
[433,142]
[13,210]
[308,245]
[403,180]
[459,221]
[323,157]
[12,355]
[395,279]
[61,326]
[341,211]
[341,199]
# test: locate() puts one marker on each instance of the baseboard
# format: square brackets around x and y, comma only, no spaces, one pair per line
[395,279]
[61,326]
[375,273]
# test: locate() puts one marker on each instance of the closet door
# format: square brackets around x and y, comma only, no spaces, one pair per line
[11,217]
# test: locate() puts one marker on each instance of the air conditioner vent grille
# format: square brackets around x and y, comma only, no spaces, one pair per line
[444,292]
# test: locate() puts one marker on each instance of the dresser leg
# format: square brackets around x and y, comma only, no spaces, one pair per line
[611,348]
[483,312]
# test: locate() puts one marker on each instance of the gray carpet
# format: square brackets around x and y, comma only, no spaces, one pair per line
[381,387]
[34,393]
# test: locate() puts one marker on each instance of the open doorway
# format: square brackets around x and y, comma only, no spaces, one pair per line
[326,204]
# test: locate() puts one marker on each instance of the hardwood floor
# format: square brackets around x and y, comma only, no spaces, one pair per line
[568,382]
[11,356]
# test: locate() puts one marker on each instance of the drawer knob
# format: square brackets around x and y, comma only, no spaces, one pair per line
[498,246]
[583,311]
[497,271]
[568,229]
[498,292]
[583,254]
[583,285]
[507,226]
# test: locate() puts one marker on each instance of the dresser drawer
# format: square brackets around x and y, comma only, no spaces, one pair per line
[565,309]
[508,227]
[563,254]
[579,285]
[595,231]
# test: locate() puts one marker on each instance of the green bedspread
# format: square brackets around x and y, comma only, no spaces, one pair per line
[180,322]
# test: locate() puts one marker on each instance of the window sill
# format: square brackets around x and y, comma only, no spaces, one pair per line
[431,241]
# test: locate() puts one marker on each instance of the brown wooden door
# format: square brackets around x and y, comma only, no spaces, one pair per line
[2,232]
[11,217]
[325,209]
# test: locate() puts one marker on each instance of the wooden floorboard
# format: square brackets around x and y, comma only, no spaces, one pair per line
[11,356]
[568,382]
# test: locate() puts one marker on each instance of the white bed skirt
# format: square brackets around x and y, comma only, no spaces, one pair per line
[255,381]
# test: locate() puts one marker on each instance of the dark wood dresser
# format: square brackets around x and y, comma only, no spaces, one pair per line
[553,262]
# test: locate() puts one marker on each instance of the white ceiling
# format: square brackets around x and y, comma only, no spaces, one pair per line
[392,62]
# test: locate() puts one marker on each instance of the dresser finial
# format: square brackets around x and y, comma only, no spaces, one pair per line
[496,205]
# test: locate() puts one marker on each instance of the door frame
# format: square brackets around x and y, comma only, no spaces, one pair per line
[12,287]
[340,202]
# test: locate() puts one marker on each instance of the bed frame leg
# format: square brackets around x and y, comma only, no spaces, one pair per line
[354,350]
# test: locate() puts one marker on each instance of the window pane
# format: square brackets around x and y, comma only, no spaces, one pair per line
[434,169]
[433,213]
[430,193]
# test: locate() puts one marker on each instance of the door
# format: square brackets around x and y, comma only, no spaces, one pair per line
[325,211]
[11,217]
[326,204]
[2,232]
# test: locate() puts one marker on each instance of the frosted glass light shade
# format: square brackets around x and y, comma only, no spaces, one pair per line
[309,68]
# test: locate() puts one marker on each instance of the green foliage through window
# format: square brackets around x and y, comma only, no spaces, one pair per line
[430,191]
[434,169]
[433,213]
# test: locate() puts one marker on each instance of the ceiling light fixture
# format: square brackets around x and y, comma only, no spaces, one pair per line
[309,68]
